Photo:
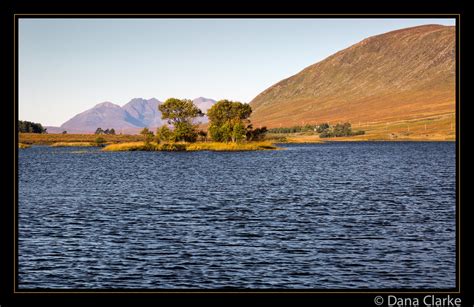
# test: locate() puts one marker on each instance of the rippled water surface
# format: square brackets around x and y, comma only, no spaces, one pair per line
[347,215]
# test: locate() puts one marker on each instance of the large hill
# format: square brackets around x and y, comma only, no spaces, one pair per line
[403,75]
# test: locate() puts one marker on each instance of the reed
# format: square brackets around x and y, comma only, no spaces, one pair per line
[73,144]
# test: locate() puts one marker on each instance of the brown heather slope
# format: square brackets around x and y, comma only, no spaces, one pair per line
[403,75]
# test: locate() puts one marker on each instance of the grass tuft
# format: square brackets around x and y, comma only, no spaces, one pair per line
[131,146]
[73,144]
[216,146]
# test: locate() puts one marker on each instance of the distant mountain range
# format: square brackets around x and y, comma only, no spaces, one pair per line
[406,74]
[130,118]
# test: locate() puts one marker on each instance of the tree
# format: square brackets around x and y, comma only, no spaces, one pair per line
[147,135]
[342,130]
[326,134]
[112,131]
[180,113]
[224,116]
[30,127]
[99,131]
[107,131]
[322,127]
[179,110]
[163,134]
[339,130]
[64,132]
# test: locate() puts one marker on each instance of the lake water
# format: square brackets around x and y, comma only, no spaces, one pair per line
[338,216]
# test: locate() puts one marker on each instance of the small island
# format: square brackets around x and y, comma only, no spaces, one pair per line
[229,129]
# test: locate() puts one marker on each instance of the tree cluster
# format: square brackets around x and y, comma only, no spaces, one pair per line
[30,127]
[229,121]
[324,130]
[106,131]
[180,113]
[257,134]
[339,130]
[294,129]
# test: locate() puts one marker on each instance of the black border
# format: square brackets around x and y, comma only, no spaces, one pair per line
[417,9]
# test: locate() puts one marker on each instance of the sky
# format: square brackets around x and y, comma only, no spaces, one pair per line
[67,66]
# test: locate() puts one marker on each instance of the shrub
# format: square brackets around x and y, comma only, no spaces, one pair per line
[256,134]
[100,141]
[163,134]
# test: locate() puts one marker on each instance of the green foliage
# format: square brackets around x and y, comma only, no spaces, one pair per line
[215,132]
[100,141]
[322,127]
[163,134]
[225,111]
[239,132]
[358,132]
[324,130]
[226,132]
[185,131]
[227,120]
[179,110]
[147,135]
[30,127]
[257,134]
[326,134]
[340,130]
[106,131]
[294,129]
[180,113]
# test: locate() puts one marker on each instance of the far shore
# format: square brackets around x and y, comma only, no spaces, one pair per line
[88,140]
[314,139]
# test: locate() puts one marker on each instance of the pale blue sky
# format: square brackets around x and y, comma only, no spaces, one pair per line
[68,65]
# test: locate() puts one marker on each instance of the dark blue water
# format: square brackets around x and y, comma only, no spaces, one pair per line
[340,216]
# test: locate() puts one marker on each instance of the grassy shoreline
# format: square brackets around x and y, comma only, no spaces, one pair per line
[22,145]
[88,140]
[49,138]
[73,144]
[199,146]
[439,128]
[296,139]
